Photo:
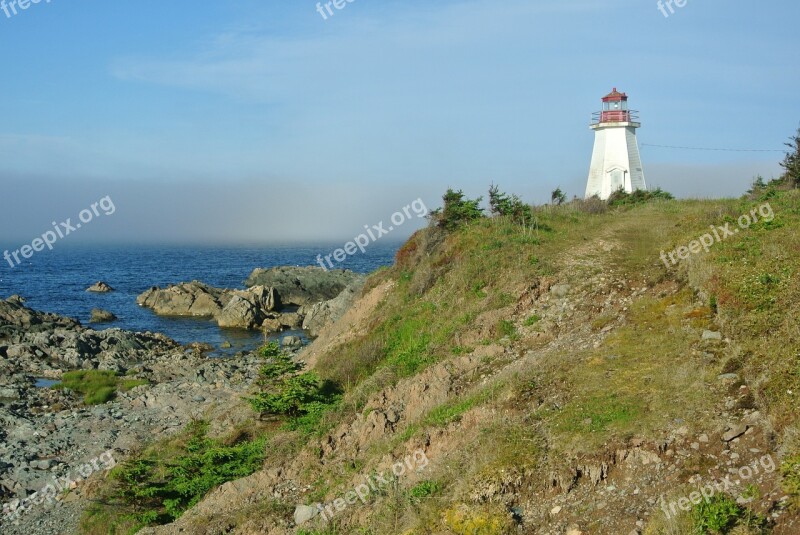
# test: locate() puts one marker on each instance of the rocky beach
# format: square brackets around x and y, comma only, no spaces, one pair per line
[159,385]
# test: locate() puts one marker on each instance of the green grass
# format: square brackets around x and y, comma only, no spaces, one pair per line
[452,293]
[97,386]
[600,414]
[790,477]
[453,410]
[507,328]
[425,489]
[532,320]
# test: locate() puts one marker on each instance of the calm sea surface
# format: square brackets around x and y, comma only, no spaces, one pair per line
[56,281]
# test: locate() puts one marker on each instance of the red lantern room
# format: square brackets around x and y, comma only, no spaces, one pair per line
[615,109]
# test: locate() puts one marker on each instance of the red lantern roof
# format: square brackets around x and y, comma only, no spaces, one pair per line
[615,96]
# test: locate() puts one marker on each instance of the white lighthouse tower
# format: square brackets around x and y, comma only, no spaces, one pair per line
[615,160]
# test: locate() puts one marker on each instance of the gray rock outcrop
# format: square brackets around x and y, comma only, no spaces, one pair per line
[281,298]
[186,299]
[304,285]
[247,308]
[322,314]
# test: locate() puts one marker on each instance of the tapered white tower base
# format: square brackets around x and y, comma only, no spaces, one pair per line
[616,163]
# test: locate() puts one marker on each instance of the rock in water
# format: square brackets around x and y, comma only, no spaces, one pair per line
[101,316]
[100,287]
[186,299]
[303,285]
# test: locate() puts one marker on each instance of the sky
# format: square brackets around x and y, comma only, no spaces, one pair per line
[257,121]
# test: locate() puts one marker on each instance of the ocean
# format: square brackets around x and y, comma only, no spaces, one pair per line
[56,281]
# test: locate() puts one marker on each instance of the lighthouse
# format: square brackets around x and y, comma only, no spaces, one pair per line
[616,163]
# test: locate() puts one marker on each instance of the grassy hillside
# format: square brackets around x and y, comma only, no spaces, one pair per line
[559,376]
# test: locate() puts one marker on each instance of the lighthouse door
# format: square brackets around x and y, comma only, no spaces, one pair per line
[616,179]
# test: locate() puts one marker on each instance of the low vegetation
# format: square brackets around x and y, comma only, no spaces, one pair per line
[97,386]
[623,198]
[630,362]
[721,515]
[158,485]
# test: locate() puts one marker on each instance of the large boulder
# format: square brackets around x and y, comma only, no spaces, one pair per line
[304,285]
[319,315]
[247,309]
[186,299]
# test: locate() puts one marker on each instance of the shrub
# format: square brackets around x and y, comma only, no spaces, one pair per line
[512,207]
[721,514]
[159,487]
[791,164]
[284,391]
[270,349]
[640,196]
[457,210]
[558,197]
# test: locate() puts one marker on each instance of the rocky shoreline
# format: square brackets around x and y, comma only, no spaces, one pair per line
[46,433]
[275,299]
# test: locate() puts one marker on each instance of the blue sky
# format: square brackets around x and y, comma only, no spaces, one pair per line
[258,120]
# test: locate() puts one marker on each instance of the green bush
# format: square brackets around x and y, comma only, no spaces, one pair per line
[721,514]
[457,210]
[284,391]
[159,489]
[513,207]
[270,349]
[157,486]
[623,198]
[791,164]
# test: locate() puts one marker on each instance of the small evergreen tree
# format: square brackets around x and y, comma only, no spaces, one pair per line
[558,197]
[513,207]
[283,389]
[758,185]
[457,210]
[499,203]
[792,161]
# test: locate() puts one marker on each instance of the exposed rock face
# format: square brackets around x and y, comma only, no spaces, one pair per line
[304,285]
[325,295]
[102,316]
[186,299]
[322,314]
[247,309]
[100,288]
